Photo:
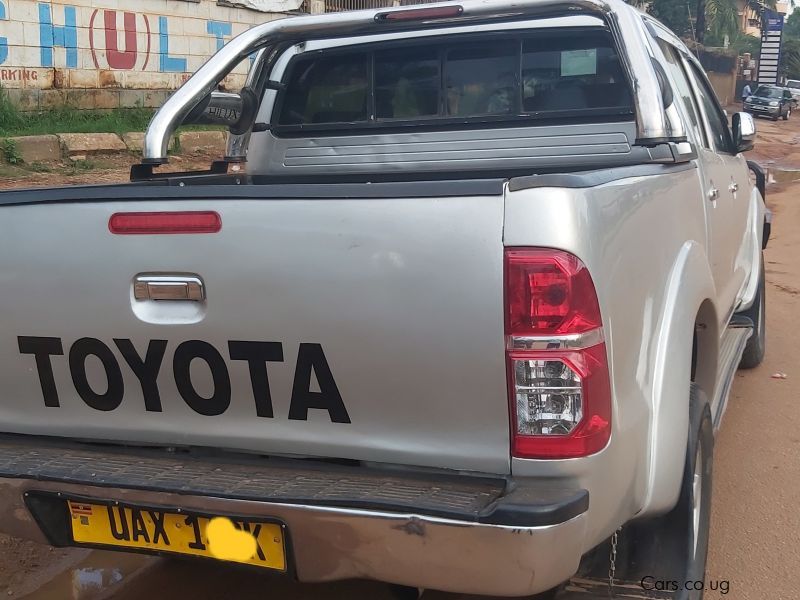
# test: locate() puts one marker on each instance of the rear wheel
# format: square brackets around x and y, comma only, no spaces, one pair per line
[673,547]
[756,347]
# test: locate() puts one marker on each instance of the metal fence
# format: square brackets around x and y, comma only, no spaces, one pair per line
[342,5]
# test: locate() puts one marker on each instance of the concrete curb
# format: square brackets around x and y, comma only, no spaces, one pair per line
[37,148]
[45,148]
[90,144]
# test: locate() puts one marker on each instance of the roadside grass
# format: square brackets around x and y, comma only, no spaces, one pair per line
[11,152]
[39,167]
[14,122]
[81,166]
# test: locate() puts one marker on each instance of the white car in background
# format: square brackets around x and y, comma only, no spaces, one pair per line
[794,86]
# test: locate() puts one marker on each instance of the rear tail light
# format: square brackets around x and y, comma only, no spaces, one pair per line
[559,388]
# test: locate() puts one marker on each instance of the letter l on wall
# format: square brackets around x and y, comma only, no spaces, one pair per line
[168,64]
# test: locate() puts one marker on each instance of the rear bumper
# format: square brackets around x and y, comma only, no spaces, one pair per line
[453,533]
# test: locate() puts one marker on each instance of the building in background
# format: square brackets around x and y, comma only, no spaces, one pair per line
[103,54]
[749,15]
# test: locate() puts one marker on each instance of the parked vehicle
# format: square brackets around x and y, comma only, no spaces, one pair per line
[771,101]
[794,99]
[794,87]
[474,304]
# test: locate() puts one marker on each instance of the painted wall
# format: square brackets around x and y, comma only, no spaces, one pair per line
[110,53]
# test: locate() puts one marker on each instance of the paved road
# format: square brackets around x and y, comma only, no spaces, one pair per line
[755,519]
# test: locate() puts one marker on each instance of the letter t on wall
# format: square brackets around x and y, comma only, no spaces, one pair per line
[51,36]
[219,30]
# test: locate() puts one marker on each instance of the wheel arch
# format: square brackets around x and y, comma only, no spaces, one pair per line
[690,322]
[705,348]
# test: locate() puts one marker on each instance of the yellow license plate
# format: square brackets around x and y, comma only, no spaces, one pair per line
[164,531]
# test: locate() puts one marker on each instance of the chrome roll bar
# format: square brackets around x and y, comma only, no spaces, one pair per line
[624,22]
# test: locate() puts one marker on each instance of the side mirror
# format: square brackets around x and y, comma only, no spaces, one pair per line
[234,111]
[744,131]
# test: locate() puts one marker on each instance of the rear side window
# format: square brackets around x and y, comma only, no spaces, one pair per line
[534,75]
[683,91]
[720,133]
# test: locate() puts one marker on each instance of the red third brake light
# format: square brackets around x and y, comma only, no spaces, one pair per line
[558,379]
[421,14]
[144,223]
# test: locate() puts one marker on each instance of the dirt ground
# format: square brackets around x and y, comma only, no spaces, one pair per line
[755,516]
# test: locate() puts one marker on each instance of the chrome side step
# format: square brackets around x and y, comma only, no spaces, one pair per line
[730,353]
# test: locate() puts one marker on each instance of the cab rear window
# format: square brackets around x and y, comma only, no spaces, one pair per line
[546,74]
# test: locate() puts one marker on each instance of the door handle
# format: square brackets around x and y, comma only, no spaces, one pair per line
[169,287]
[713,193]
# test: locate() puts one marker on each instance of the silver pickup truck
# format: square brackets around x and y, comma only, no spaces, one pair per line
[460,309]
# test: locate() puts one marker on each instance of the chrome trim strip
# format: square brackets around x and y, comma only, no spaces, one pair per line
[624,22]
[169,287]
[576,341]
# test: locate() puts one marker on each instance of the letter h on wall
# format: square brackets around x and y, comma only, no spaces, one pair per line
[3,41]
[51,36]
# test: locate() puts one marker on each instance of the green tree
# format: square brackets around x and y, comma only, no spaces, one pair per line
[744,43]
[790,58]
[722,17]
[715,19]
[673,13]
[791,29]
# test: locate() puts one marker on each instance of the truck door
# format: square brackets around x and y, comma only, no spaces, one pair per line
[727,194]
[709,165]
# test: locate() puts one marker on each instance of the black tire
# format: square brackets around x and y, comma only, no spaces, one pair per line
[756,347]
[673,547]
[787,114]
[696,490]
[403,592]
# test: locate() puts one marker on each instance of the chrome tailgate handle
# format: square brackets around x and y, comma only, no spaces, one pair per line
[169,287]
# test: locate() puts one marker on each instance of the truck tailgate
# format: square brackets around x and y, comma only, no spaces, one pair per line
[356,328]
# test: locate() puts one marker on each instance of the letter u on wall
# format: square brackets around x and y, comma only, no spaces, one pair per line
[117,59]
